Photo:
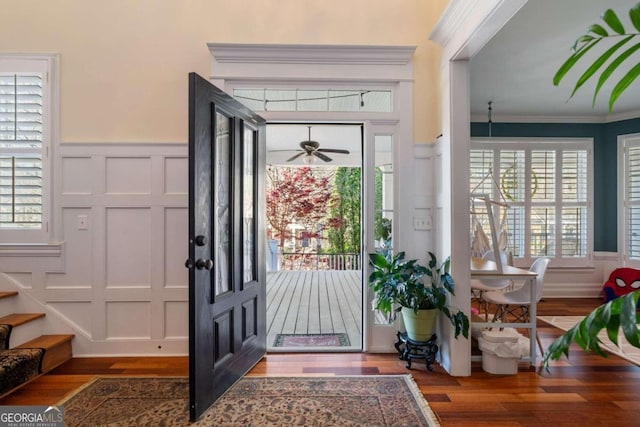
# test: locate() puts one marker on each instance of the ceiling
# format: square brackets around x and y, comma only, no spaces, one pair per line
[515,69]
[283,142]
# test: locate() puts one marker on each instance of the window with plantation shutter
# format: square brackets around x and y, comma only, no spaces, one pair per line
[631,183]
[24,143]
[546,184]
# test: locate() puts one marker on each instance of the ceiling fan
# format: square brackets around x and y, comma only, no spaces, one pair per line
[311,149]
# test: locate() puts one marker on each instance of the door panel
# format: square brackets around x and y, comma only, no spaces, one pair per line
[227,308]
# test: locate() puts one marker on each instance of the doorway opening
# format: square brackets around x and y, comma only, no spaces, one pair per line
[314,207]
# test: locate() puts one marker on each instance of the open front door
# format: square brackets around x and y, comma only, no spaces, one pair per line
[227,304]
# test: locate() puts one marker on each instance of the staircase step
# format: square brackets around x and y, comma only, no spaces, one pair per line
[18,319]
[7,294]
[57,349]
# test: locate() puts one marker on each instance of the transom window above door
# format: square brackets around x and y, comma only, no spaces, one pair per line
[336,100]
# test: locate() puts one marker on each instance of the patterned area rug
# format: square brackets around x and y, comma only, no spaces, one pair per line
[624,349]
[311,340]
[380,400]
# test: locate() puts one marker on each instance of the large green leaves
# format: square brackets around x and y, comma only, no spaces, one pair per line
[614,28]
[618,314]
[398,283]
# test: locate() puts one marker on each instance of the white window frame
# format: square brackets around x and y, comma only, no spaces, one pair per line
[16,242]
[529,144]
[624,173]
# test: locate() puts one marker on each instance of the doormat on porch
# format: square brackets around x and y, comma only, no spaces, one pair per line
[375,400]
[312,340]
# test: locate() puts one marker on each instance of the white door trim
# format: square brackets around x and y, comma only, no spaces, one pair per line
[294,66]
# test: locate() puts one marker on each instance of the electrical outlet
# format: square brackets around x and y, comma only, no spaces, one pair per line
[83,222]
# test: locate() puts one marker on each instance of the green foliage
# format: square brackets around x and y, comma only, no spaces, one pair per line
[620,313]
[595,34]
[382,225]
[398,283]
[346,206]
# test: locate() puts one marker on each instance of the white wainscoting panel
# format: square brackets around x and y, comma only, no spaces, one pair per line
[79,259]
[176,228]
[128,320]
[76,312]
[173,328]
[176,176]
[128,175]
[128,254]
[72,168]
[123,212]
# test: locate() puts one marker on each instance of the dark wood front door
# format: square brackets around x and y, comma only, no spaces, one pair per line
[227,295]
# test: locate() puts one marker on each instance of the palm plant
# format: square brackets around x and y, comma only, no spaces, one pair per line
[612,30]
[620,313]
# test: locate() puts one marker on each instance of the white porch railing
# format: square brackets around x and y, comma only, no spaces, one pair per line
[313,261]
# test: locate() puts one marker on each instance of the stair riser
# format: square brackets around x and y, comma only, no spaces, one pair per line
[27,331]
[7,306]
[55,356]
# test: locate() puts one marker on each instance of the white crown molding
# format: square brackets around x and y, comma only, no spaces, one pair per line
[451,19]
[557,119]
[467,25]
[310,54]
[618,117]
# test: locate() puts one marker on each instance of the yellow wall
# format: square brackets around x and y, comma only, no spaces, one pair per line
[124,63]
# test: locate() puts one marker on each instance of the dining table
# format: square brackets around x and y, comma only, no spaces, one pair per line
[488,270]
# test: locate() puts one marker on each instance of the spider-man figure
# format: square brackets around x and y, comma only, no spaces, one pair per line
[621,282]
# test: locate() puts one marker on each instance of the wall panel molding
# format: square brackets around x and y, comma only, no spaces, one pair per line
[123,216]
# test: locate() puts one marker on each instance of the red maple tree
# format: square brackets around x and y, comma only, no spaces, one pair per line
[298,195]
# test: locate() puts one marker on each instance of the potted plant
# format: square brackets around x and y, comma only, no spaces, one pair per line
[417,291]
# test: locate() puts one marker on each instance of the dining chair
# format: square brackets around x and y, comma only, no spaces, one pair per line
[516,304]
[480,286]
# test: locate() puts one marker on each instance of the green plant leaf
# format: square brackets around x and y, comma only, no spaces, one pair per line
[569,63]
[614,326]
[613,21]
[628,318]
[599,30]
[378,260]
[597,64]
[612,67]
[581,40]
[623,84]
[447,282]
[432,260]
[634,14]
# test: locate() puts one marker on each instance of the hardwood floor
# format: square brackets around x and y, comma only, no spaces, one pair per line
[584,390]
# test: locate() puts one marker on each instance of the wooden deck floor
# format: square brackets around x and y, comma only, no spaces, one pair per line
[315,302]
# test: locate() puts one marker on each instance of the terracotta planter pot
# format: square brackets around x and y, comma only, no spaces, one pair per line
[420,326]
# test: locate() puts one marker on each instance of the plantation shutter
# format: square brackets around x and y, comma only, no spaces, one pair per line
[633,199]
[543,208]
[512,184]
[574,214]
[21,151]
[546,185]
